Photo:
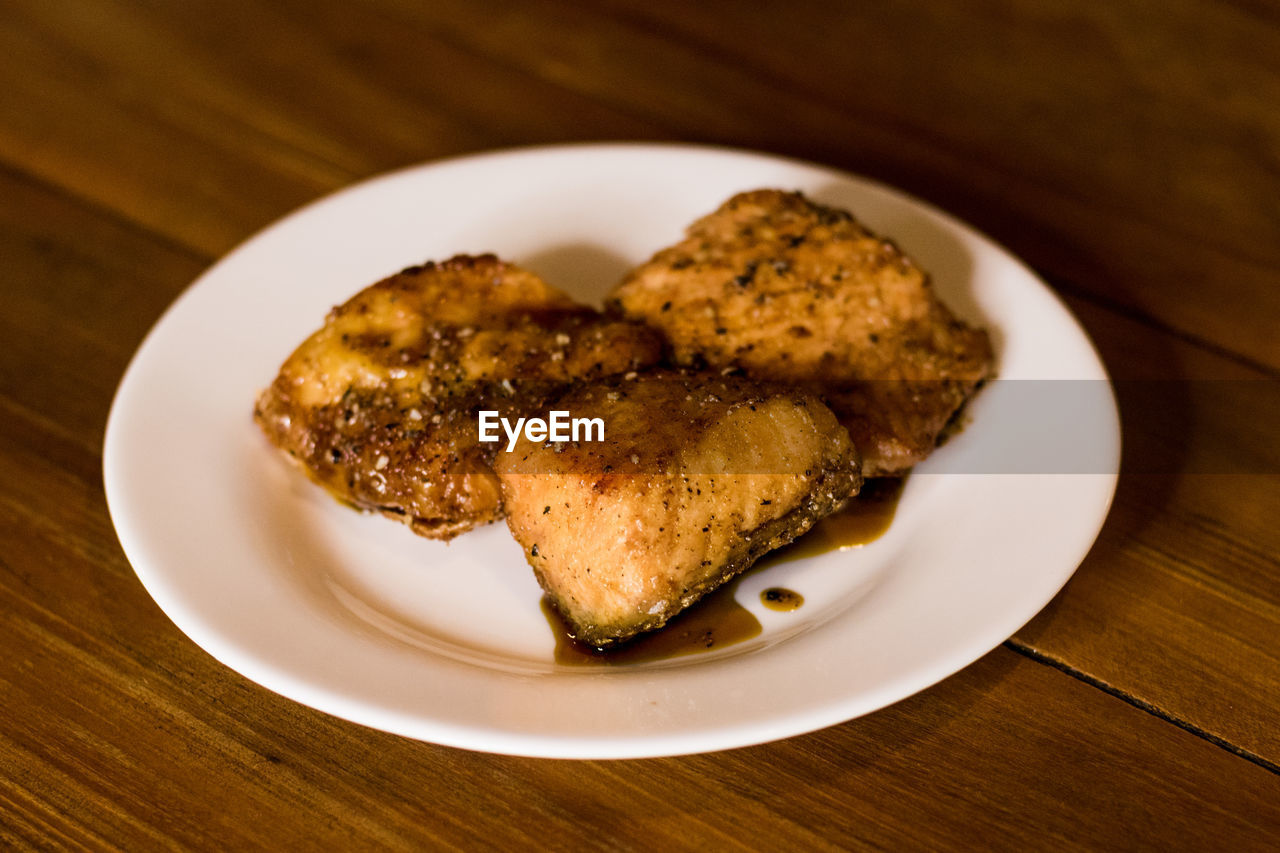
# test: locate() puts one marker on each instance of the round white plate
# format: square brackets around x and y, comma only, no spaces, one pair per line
[355,616]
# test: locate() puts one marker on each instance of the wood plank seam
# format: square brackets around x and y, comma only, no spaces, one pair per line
[1058,283]
[661,30]
[69,194]
[1065,286]
[1065,668]
[1136,315]
[1141,704]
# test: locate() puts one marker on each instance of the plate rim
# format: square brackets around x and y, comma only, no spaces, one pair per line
[486,738]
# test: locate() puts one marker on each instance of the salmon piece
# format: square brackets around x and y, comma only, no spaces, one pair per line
[789,290]
[379,406]
[696,477]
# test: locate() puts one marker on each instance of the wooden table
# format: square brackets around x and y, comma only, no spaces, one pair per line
[1129,151]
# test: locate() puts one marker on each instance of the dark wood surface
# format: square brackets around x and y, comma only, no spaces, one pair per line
[1129,151]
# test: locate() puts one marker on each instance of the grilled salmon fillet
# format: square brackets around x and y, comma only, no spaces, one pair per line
[697,476]
[790,290]
[379,406]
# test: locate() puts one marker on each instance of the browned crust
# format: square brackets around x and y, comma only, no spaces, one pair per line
[379,405]
[789,290]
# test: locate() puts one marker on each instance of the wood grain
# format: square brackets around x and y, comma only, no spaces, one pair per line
[1141,151]
[1178,603]
[119,730]
[130,668]
[1128,152]
[209,122]
[1134,159]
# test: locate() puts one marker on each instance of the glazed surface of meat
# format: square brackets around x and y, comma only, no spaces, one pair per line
[380,405]
[696,478]
[790,290]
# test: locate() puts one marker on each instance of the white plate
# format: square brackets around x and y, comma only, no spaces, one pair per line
[357,617]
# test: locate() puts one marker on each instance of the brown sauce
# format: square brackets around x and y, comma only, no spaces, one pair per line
[715,622]
[863,521]
[719,621]
[781,599]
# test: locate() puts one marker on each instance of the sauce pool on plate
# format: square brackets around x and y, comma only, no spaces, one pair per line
[781,599]
[719,620]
